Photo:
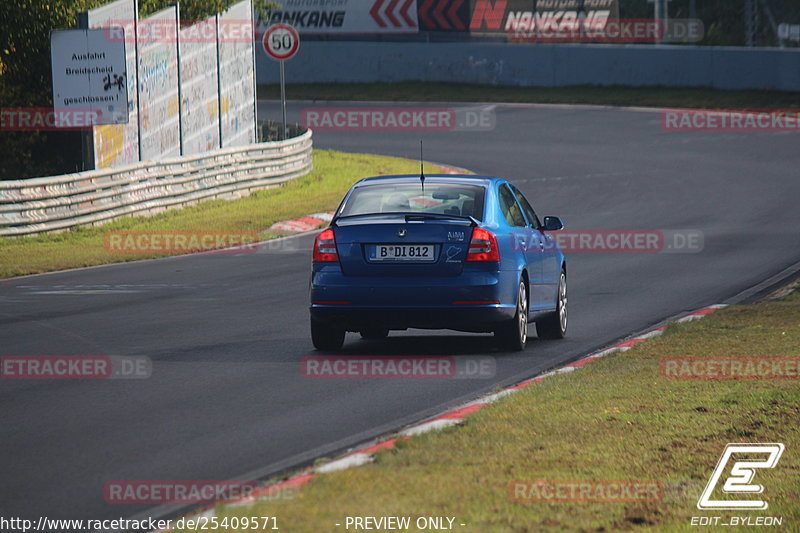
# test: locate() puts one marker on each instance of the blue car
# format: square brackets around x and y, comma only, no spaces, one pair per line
[458,252]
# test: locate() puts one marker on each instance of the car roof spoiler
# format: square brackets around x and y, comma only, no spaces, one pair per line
[411,216]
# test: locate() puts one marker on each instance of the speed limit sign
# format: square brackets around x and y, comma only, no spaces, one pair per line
[281,42]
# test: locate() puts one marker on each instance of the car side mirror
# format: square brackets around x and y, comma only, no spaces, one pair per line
[552,224]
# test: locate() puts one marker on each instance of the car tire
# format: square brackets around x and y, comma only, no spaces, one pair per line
[374,334]
[513,335]
[326,337]
[554,325]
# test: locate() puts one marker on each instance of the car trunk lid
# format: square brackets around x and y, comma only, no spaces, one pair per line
[403,244]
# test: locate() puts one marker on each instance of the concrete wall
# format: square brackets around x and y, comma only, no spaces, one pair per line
[538,65]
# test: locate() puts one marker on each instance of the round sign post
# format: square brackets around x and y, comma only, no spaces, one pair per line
[281,42]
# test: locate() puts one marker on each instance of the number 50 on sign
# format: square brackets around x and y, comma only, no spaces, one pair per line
[281,42]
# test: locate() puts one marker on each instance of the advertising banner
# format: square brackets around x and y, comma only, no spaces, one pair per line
[117,144]
[199,86]
[158,87]
[543,16]
[236,76]
[346,16]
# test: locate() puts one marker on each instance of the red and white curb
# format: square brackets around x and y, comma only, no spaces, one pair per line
[302,224]
[366,453]
[448,170]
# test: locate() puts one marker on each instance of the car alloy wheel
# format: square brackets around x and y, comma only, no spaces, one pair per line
[522,314]
[513,335]
[554,325]
[562,303]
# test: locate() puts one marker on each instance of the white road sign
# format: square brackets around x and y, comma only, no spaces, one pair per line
[281,42]
[89,73]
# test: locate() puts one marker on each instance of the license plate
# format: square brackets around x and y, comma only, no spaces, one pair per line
[403,252]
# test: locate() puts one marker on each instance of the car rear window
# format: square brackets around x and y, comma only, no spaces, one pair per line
[442,198]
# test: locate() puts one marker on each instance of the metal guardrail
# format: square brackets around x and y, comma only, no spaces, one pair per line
[57,203]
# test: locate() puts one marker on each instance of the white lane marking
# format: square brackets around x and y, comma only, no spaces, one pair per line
[491,398]
[349,461]
[432,103]
[430,426]
[650,334]
[562,370]
[607,351]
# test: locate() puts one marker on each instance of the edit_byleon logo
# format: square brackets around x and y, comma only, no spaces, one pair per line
[740,480]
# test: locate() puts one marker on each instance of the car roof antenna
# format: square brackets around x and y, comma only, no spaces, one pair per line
[421,169]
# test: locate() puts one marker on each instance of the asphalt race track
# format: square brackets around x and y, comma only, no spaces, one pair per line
[226,332]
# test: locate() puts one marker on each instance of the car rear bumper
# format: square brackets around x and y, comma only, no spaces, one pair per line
[465,318]
[474,301]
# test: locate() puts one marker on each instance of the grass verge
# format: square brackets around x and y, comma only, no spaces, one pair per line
[321,190]
[615,419]
[678,97]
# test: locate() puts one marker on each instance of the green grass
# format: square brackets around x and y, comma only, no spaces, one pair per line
[691,97]
[615,419]
[321,190]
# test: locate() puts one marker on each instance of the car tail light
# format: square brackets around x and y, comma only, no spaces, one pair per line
[483,246]
[325,247]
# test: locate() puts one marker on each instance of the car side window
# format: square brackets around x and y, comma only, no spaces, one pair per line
[530,214]
[510,207]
